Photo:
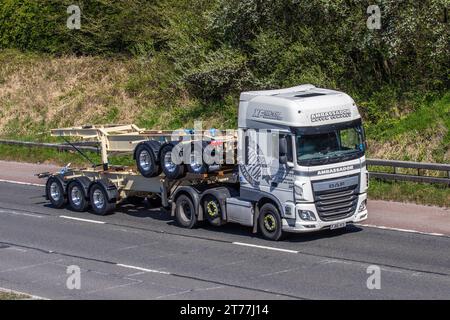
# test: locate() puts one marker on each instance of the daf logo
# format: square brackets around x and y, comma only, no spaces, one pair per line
[336,185]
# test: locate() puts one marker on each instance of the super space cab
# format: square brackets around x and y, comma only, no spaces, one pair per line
[320,179]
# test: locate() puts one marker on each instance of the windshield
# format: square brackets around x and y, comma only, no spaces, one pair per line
[337,144]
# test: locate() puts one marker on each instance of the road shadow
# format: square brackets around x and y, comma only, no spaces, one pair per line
[322,234]
[145,211]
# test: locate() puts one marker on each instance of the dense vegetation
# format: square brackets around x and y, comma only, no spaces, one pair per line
[163,63]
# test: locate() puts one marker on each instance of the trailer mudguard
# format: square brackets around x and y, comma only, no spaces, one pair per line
[110,188]
[86,183]
[195,196]
[154,145]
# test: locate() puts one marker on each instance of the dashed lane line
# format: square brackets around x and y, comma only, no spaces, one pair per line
[83,220]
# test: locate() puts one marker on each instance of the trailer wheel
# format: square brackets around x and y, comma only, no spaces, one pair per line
[185,212]
[196,164]
[212,210]
[75,195]
[170,169]
[55,192]
[146,162]
[99,200]
[269,222]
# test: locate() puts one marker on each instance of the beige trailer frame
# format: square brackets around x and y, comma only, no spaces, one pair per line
[130,183]
[117,138]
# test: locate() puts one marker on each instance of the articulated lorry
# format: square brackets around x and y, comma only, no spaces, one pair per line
[296,164]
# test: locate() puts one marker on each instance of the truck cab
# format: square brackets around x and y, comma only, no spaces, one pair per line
[301,153]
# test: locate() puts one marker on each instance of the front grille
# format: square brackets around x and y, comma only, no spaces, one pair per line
[336,204]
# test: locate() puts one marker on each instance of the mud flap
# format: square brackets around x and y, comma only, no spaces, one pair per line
[255,219]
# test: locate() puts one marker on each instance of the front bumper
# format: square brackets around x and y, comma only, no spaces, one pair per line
[300,226]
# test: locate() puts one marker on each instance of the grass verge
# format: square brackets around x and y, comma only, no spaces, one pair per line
[53,156]
[402,191]
[7,295]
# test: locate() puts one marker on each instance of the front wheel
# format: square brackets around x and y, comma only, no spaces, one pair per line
[269,222]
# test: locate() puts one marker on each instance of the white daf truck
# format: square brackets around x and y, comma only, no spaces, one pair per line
[300,167]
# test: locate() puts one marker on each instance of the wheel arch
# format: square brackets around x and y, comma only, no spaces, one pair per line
[85,183]
[109,187]
[221,194]
[155,147]
[193,194]
[265,200]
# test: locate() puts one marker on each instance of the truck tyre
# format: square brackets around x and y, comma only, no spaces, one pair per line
[99,200]
[76,197]
[269,222]
[212,210]
[55,192]
[185,214]
[146,161]
[196,164]
[170,169]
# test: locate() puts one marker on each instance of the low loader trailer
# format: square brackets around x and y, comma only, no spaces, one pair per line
[296,164]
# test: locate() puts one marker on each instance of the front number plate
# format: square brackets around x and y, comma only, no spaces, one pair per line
[338,226]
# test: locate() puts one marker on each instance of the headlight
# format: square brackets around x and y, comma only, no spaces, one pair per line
[362,206]
[306,215]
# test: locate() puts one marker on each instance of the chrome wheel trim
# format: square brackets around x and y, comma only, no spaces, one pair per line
[76,196]
[168,163]
[55,191]
[99,198]
[195,165]
[144,160]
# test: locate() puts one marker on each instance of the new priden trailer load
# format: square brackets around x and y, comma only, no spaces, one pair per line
[295,164]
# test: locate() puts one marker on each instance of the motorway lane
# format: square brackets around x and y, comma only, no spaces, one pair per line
[37,245]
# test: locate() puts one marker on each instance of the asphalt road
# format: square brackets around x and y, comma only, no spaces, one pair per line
[138,253]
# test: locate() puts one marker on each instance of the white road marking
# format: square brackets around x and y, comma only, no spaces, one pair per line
[264,247]
[83,220]
[23,183]
[238,243]
[142,269]
[401,230]
[14,212]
